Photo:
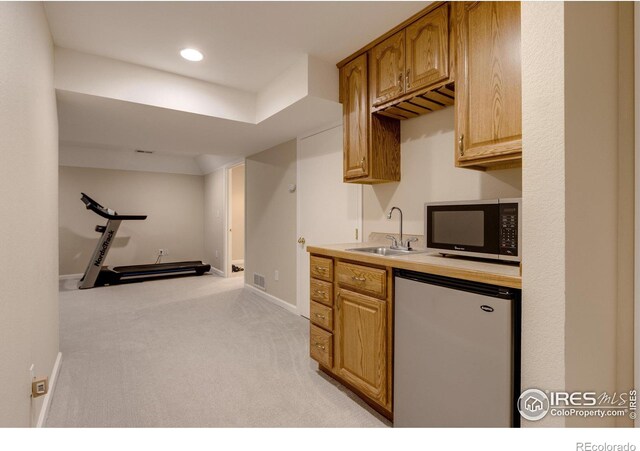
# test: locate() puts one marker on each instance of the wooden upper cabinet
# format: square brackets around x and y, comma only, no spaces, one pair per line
[488,84]
[355,108]
[371,142]
[387,69]
[427,46]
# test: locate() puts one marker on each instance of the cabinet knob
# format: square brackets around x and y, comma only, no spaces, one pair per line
[301,240]
[461,145]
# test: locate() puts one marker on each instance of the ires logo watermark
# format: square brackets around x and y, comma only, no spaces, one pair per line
[534,404]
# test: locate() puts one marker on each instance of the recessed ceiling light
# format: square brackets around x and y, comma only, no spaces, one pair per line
[191,54]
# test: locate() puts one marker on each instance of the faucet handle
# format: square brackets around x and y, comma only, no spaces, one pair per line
[411,240]
[394,241]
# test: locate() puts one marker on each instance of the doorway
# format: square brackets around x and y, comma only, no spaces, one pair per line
[236,220]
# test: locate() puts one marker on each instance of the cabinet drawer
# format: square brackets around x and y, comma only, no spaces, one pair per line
[321,346]
[321,291]
[321,315]
[322,268]
[372,281]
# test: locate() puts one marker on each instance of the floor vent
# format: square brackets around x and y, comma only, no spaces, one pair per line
[258,281]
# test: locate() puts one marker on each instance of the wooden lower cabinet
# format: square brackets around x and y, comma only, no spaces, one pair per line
[351,337]
[361,331]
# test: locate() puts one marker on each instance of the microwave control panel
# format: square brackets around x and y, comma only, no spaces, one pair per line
[509,229]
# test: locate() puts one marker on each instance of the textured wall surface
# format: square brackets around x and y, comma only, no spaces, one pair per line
[173,204]
[429,175]
[543,186]
[29,205]
[271,220]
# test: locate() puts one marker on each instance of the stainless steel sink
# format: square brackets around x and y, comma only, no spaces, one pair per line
[386,251]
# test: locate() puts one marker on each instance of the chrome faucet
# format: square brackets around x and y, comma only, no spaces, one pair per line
[399,244]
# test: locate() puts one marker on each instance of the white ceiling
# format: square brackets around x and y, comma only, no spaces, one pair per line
[246,44]
[253,51]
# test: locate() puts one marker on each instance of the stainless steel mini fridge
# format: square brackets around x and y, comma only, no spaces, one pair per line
[456,352]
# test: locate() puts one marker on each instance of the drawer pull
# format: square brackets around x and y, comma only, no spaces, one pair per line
[318,315]
[320,292]
[359,279]
[319,346]
[321,269]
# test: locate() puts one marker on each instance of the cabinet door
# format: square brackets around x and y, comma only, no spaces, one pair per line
[428,49]
[355,111]
[387,69]
[488,84]
[362,341]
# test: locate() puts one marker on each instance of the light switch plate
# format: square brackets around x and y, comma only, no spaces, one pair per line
[39,387]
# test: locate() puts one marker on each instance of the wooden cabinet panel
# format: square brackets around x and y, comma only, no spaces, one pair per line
[428,49]
[371,142]
[321,291]
[361,325]
[321,315]
[321,268]
[387,69]
[321,346]
[488,85]
[355,112]
[371,281]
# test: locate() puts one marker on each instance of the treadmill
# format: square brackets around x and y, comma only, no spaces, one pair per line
[97,275]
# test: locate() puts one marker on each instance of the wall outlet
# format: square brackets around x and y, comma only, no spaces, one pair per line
[276,275]
[163,252]
[39,387]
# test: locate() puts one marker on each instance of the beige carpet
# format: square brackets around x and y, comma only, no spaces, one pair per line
[191,352]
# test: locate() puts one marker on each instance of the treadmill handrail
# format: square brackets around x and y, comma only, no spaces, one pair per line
[104,212]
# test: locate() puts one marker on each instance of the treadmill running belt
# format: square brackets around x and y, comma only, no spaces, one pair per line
[159,268]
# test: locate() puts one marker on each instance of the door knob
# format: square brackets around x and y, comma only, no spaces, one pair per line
[301,240]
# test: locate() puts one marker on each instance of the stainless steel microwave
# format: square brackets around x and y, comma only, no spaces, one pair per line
[478,228]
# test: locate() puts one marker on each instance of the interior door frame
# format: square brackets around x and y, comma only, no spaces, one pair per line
[299,282]
[227,213]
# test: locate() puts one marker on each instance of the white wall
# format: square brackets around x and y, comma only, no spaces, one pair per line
[172,202]
[128,160]
[577,197]
[214,219]
[271,220]
[543,140]
[28,201]
[594,147]
[428,175]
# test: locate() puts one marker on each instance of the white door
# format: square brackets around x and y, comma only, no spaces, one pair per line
[329,210]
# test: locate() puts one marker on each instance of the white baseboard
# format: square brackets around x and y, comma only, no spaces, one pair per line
[217,271]
[52,386]
[274,300]
[70,276]
[238,262]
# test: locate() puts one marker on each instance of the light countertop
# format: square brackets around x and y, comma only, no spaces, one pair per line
[501,274]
